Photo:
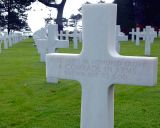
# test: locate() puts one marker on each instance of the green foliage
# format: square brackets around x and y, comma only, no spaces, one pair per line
[148,12]
[74,19]
[125,14]
[140,13]
[27,101]
[59,7]
[13,14]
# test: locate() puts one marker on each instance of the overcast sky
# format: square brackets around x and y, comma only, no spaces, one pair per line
[39,11]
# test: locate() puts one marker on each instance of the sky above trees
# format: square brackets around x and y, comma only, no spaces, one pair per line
[39,11]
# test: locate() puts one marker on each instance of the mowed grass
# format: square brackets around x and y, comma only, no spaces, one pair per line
[27,101]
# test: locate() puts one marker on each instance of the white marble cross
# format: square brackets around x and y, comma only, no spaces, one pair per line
[5,42]
[42,43]
[10,39]
[120,37]
[132,34]
[53,43]
[75,37]
[13,38]
[147,41]
[75,40]
[64,36]
[0,47]
[39,37]
[1,39]
[143,33]
[137,34]
[99,66]
[148,35]
[153,34]
[67,35]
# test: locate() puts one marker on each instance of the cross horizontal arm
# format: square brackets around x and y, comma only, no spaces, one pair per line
[56,64]
[121,69]
[135,70]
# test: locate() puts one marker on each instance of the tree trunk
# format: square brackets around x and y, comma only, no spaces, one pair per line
[9,13]
[8,26]
[59,8]
[59,20]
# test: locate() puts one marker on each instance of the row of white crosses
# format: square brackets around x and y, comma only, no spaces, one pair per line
[148,34]
[1,40]
[142,34]
[47,41]
[77,36]
[99,66]
[120,37]
[9,40]
[40,34]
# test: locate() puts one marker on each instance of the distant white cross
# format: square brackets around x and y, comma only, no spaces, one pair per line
[5,42]
[10,39]
[153,35]
[1,39]
[75,36]
[99,66]
[148,35]
[53,43]
[137,33]
[67,35]
[149,39]
[120,37]
[42,47]
[132,34]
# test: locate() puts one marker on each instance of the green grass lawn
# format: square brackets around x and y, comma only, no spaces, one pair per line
[27,101]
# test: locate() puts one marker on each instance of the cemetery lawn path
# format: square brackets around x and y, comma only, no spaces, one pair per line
[27,101]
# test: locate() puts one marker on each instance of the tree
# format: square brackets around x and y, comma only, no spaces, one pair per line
[2,17]
[147,12]
[59,7]
[13,13]
[125,14]
[138,13]
[101,1]
[48,20]
[74,19]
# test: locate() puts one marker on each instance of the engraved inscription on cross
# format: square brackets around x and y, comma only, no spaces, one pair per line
[99,66]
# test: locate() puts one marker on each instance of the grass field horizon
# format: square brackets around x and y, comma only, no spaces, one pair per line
[28,101]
